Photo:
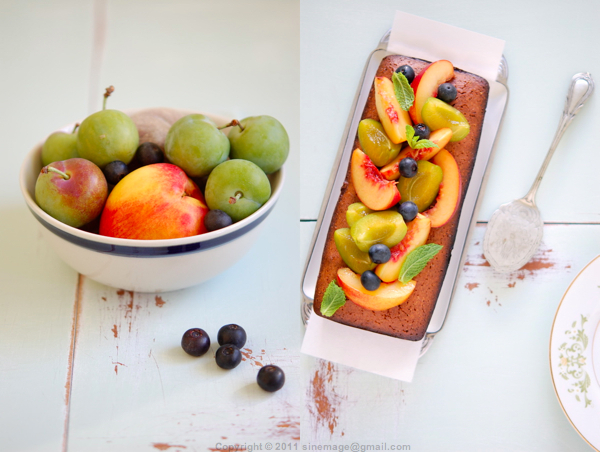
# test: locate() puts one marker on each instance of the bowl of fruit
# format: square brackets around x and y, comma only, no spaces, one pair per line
[157,199]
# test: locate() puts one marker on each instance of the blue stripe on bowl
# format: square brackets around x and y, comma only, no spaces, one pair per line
[154,251]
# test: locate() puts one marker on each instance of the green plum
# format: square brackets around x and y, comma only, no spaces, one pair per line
[262,140]
[59,146]
[238,188]
[196,145]
[106,136]
[73,191]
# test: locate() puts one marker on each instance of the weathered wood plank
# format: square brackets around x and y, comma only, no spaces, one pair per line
[484,383]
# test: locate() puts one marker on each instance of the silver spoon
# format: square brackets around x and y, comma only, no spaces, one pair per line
[515,230]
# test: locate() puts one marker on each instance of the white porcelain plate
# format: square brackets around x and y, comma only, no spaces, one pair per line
[575,353]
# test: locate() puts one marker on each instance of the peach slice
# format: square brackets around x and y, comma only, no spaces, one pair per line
[385,297]
[425,85]
[418,232]
[449,194]
[441,137]
[372,189]
[393,119]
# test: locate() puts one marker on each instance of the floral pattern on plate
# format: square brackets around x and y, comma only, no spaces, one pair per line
[572,361]
[575,356]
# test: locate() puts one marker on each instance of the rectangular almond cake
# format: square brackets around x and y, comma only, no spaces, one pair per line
[410,319]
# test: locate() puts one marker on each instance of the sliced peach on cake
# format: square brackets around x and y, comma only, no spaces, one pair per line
[441,137]
[373,190]
[425,85]
[449,193]
[393,119]
[385,297]
[418,232]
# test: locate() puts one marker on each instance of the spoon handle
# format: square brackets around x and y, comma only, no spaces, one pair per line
[580,89]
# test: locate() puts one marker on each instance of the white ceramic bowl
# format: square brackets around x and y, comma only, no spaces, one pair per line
[146,265]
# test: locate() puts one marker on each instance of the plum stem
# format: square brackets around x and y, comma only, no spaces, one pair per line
[234,199]
[108,92]
[233,123]
[55,170]
[75,128]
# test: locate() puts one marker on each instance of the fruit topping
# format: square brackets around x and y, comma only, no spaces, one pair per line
[216,219]
[438,114]
[232,334]
[228,356]
[408,167]
[379,253]
[393,118]
[407,71]
[195,342]
[196,145]
[408,210]
[423,188]
[387,228]
[375,143]
[149,153]
[270,378]
[359,261]
[115,171]
[262,140]
[417,234]
[370,281]
[385,297]
[440,137]
[425,85]
[449,192]
[446,92]
[238,188]
[422,131]
[372,189]
[355,212]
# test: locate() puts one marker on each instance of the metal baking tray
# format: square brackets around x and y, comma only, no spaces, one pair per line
[496,107]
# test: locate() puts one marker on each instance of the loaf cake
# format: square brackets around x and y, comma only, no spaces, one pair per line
[410,319]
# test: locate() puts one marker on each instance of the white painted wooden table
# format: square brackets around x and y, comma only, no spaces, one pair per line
[86,367]
[485,382]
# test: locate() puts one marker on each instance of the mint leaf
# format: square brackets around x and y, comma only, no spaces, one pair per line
[333,299]
[410,134]
[416,261]
[403,90]
[424,144]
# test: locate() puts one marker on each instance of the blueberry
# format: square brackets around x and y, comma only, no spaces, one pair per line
[216,219]
[115,171]
[408,72]
[380,253]
[370,280]
[408,210]
[228,356]
[232,334]
[149,153]
[195,342]
[270,378]
[408,167]
[422,131]
[446,92]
